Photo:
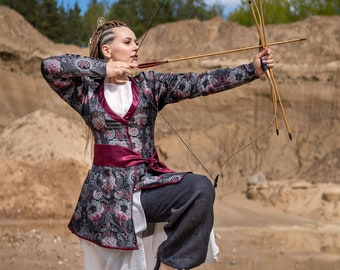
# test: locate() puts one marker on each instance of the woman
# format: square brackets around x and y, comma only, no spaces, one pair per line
[127,186]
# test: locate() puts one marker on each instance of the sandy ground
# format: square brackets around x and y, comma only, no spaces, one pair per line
[277,204]
[250,237]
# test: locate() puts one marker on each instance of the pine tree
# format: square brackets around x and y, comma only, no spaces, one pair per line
[74,22]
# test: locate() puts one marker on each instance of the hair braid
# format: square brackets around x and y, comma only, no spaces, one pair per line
[99,36]
[95,43]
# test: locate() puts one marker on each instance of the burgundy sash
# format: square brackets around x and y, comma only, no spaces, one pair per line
[119,156]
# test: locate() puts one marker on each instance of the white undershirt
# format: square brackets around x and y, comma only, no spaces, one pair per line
[118,97]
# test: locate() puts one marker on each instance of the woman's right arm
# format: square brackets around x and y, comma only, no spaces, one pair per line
[67,75]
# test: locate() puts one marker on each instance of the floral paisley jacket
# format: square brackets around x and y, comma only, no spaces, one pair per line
[103,213]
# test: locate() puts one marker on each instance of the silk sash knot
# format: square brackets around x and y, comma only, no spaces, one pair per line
[119,156]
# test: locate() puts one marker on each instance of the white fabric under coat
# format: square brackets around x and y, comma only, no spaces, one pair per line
[119,98]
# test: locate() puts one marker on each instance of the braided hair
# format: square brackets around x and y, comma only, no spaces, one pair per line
[102,35]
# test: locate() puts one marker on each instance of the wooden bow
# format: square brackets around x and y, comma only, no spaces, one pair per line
[276,99]
[258,17]
[260,26]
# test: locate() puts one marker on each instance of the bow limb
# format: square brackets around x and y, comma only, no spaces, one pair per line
[280,103]
[242,148]
[265,68]
[271,75]
[259,21]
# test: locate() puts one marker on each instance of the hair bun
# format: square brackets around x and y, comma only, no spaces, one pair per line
[100,22]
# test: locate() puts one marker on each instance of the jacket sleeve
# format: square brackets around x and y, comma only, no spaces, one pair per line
[72,77]
[171,88]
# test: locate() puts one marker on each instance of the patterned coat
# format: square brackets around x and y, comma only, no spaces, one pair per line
[103,213]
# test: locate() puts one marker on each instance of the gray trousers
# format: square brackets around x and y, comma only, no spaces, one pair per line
[187,207]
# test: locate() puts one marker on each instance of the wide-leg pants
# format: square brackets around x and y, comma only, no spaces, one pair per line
[187,209]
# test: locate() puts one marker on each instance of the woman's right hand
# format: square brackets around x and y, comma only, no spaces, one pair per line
[118,69]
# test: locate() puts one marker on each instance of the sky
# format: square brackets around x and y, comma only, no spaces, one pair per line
[230,4]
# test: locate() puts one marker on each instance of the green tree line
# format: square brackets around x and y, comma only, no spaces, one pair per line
[70,26]
[286,11]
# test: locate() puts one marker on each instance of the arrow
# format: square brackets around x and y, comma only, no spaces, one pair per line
[158,63]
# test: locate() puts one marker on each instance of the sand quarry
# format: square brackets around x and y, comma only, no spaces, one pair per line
[277,204]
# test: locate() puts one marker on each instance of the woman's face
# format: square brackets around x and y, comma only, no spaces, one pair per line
[124,47]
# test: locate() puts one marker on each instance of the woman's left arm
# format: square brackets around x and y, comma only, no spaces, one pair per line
[171,88]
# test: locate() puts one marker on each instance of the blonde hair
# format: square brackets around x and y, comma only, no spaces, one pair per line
[102,35]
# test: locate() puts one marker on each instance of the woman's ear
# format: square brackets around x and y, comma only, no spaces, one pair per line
[106,51]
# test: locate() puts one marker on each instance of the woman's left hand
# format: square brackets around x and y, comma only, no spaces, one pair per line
[266,56]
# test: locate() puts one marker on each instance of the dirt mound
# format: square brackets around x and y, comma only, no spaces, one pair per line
[21,86]
[21,41]
[316,201]
[43,136]
[42,156]
[287,216]
[53,185]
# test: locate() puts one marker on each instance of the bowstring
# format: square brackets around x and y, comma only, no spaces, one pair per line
[148,27]
[215,179]
[258,20]
[156,108]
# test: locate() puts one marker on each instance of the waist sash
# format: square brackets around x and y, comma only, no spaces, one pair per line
[119,156]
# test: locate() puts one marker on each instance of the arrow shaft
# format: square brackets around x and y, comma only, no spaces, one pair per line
[157,63]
